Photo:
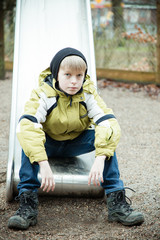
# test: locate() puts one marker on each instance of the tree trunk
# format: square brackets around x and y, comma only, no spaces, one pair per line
[2,70]
[117,9]
[158,43]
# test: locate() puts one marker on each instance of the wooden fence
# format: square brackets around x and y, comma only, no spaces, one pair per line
[129,76]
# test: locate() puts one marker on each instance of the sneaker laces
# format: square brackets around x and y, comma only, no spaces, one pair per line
[120,200]
[27,203]
[130,202]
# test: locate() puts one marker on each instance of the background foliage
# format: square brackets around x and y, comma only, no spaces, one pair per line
[125,34]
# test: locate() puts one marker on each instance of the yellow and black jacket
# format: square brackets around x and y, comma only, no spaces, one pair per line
[65,117]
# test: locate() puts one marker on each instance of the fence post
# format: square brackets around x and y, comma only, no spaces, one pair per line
[158,43]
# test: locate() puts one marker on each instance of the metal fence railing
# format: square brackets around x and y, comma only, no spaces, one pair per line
[125,39]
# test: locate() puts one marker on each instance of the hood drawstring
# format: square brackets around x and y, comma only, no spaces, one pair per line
[70,101]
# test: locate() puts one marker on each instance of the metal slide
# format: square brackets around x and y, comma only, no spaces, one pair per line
[43,27]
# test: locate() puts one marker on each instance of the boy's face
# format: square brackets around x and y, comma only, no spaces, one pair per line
[70,81]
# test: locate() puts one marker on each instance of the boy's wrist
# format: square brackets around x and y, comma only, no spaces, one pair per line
[43,162]
[101,157]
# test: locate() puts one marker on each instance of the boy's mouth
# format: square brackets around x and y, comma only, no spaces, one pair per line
[73,88]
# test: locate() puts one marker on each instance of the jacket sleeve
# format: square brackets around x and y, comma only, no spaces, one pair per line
[30,131]
[107,129]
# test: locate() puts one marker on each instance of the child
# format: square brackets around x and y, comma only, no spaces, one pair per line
[56,122]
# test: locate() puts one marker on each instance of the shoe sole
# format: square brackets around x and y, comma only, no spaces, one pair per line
[20,223]
[137,221]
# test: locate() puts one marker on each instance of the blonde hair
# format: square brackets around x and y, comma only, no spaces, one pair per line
[74,63]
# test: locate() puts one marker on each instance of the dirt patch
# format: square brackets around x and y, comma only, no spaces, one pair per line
[138,153]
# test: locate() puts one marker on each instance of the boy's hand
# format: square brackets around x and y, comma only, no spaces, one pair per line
[47,183]
[96,173]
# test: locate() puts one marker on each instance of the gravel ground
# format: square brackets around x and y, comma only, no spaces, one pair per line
[138,153]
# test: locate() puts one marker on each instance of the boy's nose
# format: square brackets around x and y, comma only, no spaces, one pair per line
[73,80]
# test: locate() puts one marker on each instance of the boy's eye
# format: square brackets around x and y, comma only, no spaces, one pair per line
[67,74]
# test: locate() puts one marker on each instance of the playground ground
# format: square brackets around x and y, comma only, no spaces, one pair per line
[138,113]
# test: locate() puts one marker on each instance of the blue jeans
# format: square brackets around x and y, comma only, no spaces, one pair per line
[70,148]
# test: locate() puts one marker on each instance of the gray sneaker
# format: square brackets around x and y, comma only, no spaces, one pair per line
[119,210]
[27,213]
